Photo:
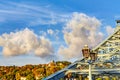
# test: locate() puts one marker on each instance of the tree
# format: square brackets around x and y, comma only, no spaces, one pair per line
[30,77]
[17,76]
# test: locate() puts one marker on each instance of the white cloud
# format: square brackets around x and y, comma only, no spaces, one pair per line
[44,48]
[50,31]
[23,42]
[53,33]
[43,22]
[33,14]
[80,30]
[109,30]
[56,34]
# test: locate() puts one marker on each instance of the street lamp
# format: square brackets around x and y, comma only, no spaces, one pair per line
[90,56]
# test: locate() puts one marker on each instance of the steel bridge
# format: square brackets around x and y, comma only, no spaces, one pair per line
[108,60]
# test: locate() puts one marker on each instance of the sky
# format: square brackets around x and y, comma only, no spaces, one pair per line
[38,31]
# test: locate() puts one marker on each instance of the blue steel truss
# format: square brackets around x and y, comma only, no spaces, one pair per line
[108,60]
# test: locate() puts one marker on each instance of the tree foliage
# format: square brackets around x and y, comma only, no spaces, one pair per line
[31,72]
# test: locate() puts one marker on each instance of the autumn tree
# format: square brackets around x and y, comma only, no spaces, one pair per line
[30,77]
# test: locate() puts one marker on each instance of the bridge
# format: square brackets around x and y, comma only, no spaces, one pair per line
[93,70]
[108,61]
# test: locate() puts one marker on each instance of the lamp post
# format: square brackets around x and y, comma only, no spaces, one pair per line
[90,57]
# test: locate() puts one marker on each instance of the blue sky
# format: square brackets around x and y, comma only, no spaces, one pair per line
[48,19]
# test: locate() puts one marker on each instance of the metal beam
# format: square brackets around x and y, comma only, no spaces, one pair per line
[93,70]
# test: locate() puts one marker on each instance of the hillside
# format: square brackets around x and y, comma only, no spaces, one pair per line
[31,72]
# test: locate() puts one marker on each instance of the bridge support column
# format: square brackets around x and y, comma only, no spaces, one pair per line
[90,73]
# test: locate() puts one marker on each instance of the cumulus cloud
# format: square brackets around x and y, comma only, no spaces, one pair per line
[50,31]
[53,33]
[109,30]
[24,42]
[44,48]
[80,30]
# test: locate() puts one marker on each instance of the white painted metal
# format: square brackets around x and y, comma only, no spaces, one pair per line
[90,72]
[93,70]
